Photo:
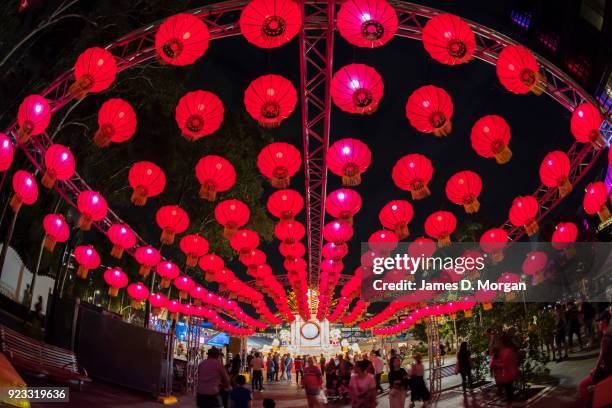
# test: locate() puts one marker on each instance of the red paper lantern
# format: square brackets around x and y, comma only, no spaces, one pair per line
[523,213]
[253,259]
[6,152]
[586,123]
[289,232]
[367,23]
[148,257]
[94,72]
[93,207]
[116,279]
[198,114]
[349,158]
[122,237]
[448,39]
[429,110]
[518,71]
[396,215]
[87,257]
[116,123]
[490,137]
[184,284]
[211,263]
[554,172]
[295,250]
[463,188]
[56,230]
[534,262]
[59,163]
[333,251]
[440,225]
[174,308]
[493,242]
[343,204]
[270,23]
[244,240]
[357,88]
[139,293]
[232,214]
[33,117]
[25,190]
[595,198]
[507,278]
[421,247]
[216,175]
[173,220]
[412,173]
[285,204]
[147,180]
[382,241]
[158,302]
[181,39]
[565,233]
[337,232]
[279,162]
[270,99]
[194,246]
[167,270]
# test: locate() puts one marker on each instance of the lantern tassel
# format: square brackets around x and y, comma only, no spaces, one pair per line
[167,237]
[135,304]
[504,155]
[444,130]
[401,230]
[570,251]
[597,140]
[82,272]
[468,313]
[604,213]
[155,311]
[81,87]
[420,191]
[116,252]
[531,227]
[192,260]
[472,206]
[207,192]
[15,203]
[103,136]
[165,283]
[84,223]
[487,306]
[277,182]
[113,292]
[565,187]
[346,218]
[48,179]
[144,270]
[497,257]
[229,230]
[139,197]
[444,240]
[49,243]
[24,133]
[351,176]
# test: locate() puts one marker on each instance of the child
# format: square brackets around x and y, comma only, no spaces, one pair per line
[240,395]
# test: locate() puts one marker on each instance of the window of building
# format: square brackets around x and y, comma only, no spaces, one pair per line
[579,67]
[593,11]
[549,40]
[521,19]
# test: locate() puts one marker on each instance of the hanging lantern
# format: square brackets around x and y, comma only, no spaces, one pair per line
[333,251]
[289,232]
[147,180]
[116,123]
[534,262]
[199,114]
[279,162]
[216,175]
[253,259]
[25,190]
[33,117]
[148,257]
[94,72]
[270,23]
[508,278]
[93,207]
[490,137]
[440,225]
[349,158]
[158,302]
[122,237]
[291,251]
[448,39]
[139,293]
[270,99]
[523,213]
[554,172]
[244,240]
[343,204]
[184,284]
[173,220]
[167,270]
[595,197]
[518,71]
[56,230]
[421,247]
[59,165]
[485,297]
[194,246]
[493,242]
[87,257]
[181,39]
[396,215]
[210,264]
[337,232]
[285,204]
[232,214]
[367,23]
[565,234]
[6,152]
[412,173]
[429,110]
[463,188]
[357,88]
[116,279]
[586,123]
[383,242]
[174,309]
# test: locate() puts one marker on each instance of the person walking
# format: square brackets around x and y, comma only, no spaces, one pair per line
[464,366]
[269,368]
[398,383]
[211,376]
[379,367]
[312,382]
[299,369]
[240,395]
[362,386]
[418,389]
[289,367]
[603,366]
[283,363]
[276,360]
[588,316]
[257,372]
[573,321]
[560,333]
[505,365]
[442,352]
[322,362]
